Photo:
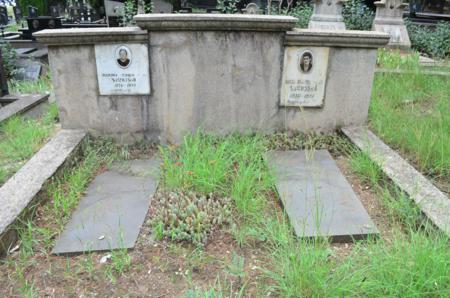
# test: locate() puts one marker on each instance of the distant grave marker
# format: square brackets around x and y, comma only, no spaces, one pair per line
[327,15]
[29,72]
[3,16]
[32,12]
[389,19]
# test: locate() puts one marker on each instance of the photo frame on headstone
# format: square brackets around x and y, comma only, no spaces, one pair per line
[123,69]
[304,76]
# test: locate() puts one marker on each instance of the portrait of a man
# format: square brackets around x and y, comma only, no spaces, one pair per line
[123,57]
[306,61]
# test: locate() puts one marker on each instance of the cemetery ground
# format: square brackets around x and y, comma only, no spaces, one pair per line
[253,252]
[20,138]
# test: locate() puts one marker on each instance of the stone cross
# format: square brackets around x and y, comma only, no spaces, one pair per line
[389,19]
[327,15]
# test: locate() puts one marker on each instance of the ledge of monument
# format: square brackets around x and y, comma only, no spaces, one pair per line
[336,38]
[76,36]
[214,22]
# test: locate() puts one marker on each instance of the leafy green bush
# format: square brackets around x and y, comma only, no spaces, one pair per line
[357,16]
[188,216]
[130,9]
[429,41]
[227,6]
[9,56]
[302,11]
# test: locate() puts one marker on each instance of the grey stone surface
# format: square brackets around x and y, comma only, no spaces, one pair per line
[77,36]
[214,22]
[430,200]
[113,209]
[336,38]
[389,19]
[161,6]
[327,15]
[19,191]
[223,81]
[23,104]
[317,198]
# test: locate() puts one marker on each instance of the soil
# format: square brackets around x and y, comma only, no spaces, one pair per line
[161,268]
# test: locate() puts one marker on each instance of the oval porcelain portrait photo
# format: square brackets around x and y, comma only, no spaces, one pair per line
[305,61]
[123,56]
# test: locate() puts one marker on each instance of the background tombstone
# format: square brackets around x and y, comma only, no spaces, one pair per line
[327,15]
[54,11]
[32,12]
[17,13]
[3,16]
[160,6]
[388,19]
[252,8]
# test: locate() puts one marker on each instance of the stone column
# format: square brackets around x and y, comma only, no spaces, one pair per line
[389,19]
[327,15]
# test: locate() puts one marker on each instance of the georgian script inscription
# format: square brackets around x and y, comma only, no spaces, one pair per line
[122,69]
[304,76]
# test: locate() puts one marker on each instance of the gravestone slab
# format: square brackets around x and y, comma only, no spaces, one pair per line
[113,209]
[327,15]
[123,69]
[389,19]
[29,71]
[304,76]
[317,198]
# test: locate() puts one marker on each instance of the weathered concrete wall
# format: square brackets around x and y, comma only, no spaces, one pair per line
[128,118]
[221,81]
[347,93]
[223,77]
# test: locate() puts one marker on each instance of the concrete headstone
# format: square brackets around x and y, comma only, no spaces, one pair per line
[304,76]
[389,19]
[113,209]
[327,15]
[317,198]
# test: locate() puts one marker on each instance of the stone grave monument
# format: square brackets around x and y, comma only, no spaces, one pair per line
[389,19]
[327,15]
[174,73]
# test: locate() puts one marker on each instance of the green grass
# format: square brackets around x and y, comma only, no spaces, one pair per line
[42,85]
[413,263]
[411,112]
[20,138]
[233,167]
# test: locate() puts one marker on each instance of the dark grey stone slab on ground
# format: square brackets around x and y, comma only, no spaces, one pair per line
[434,203]
[317,198]
[113,209]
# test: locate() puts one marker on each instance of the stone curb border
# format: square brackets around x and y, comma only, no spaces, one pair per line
[23,104]
[422,72]
[433,203]
[21,191]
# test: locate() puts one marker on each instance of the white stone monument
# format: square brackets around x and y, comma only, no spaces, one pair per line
[327,15]
[389,19]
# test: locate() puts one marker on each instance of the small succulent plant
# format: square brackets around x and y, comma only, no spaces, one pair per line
[189,216]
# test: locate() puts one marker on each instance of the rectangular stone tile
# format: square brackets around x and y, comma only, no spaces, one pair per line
[317,198]
[113,209]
